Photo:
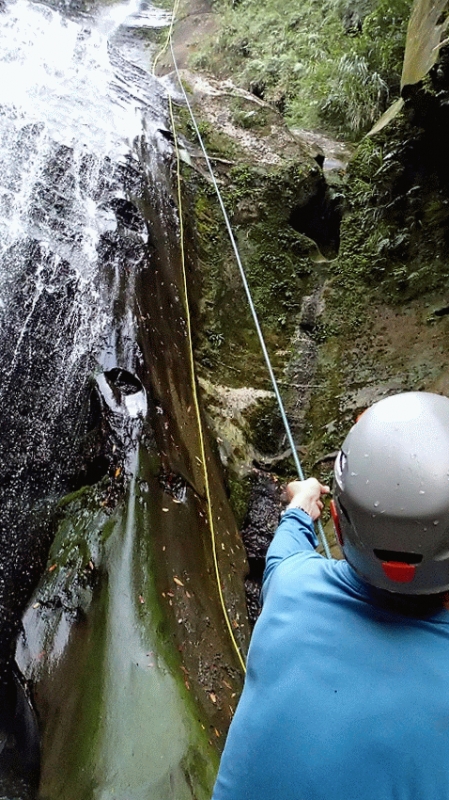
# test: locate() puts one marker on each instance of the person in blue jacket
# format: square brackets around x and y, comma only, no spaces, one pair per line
[346,695]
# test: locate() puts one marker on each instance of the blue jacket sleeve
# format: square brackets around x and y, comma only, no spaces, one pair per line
[295,534]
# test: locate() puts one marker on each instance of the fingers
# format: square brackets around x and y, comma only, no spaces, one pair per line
[307,495]
[312,486]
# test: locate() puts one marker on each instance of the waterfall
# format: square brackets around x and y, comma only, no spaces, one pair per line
[72,105]
[77,103]
[101,483]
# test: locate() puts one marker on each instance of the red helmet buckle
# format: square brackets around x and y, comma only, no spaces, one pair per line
[399,571]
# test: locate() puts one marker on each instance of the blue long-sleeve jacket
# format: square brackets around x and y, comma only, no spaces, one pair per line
[343,699]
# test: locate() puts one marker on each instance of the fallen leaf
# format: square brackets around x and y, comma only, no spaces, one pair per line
[213,697]
[217,733]
[187,685]
[165,509]
[36,605]
[188,594]
[141,599]
[228,685]
[117,472]
[178,582]
[52,568]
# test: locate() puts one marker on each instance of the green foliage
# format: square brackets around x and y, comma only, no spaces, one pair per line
[383,40]
[357,97]
[333,65]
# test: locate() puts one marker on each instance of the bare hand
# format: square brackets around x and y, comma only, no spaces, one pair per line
[307,495]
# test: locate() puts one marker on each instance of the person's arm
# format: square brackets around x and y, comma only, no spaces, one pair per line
[296,532]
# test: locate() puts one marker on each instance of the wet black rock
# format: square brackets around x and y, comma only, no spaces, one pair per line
[127,214]
[124,381]
[258,530]
[263,515]
[252,592]
[173,484]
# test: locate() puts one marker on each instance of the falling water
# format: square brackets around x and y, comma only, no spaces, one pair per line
[71,107]
[92,335]
[77,106]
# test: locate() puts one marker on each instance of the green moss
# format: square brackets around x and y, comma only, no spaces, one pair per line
[240,492]
[199,772]
[104,678]
[276,260]
[266,427]
[215,142]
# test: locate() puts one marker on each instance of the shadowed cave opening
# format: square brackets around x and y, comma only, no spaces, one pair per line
[319,218]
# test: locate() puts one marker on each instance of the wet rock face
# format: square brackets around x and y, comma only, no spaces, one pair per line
[54,431]
[257,532]
[36,448]
[70,241]
[93,323]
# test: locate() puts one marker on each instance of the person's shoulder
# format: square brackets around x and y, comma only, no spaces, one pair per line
[307,563]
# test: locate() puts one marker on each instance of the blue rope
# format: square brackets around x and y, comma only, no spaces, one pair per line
[285,421]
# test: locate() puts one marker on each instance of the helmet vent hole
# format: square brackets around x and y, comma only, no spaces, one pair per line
[396,555]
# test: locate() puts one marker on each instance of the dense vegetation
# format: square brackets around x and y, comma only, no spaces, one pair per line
[333,65]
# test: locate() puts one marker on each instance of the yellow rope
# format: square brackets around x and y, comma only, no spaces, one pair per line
[195,394]
[192,359]
[169,36]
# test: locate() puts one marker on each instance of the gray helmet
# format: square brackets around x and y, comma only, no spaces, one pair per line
[391,494]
